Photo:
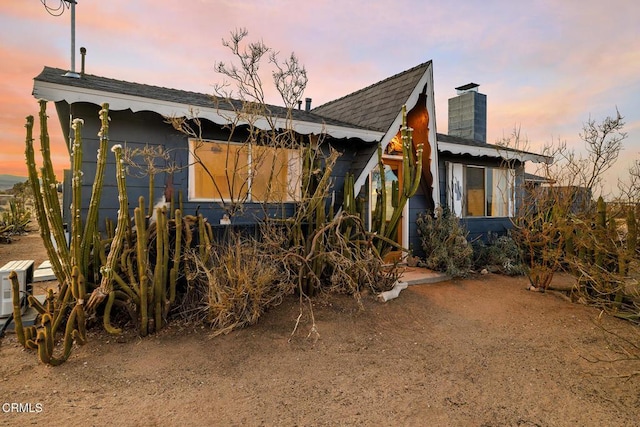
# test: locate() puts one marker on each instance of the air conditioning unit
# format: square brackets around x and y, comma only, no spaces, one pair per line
[24,270]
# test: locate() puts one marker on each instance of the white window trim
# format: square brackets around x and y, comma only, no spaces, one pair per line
[455,189]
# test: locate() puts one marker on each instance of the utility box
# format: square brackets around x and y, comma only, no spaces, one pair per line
[24,270]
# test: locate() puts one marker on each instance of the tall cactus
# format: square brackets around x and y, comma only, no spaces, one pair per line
[96,189]
[411,173]
[107,271]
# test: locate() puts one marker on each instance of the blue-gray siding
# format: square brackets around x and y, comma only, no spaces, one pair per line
[135,130]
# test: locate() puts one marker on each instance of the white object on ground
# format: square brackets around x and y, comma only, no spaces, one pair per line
[393,293]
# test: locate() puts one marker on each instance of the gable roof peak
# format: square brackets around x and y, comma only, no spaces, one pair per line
[378,105]
[395,76]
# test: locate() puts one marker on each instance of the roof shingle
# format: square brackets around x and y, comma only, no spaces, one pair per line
[376,106]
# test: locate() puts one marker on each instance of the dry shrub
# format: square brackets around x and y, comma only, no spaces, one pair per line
[353,264]
[338,256]
[444,241]
[242,283]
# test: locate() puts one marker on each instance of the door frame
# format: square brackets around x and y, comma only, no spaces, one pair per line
[403,227]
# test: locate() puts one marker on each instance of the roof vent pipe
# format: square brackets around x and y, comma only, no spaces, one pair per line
[307,104]
[83,53]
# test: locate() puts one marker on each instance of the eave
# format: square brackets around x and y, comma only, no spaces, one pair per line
[56,92]
[493,151]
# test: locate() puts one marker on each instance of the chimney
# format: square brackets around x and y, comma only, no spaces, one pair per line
[299,104]
[307,104]
[83,53]
[468,113]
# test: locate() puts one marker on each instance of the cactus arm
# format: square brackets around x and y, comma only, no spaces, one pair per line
[382,208]
[106,319]
[76,194]
[106,283]
[35,304]
[17,310]
[50,193]
[141,256]
[173,275]
[45,230]
[96,189]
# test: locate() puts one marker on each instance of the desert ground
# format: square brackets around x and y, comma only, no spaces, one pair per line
[482,351]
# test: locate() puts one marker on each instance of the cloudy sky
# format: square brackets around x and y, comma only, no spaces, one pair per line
[546,66]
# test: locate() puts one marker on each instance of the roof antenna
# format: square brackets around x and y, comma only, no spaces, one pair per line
[72,73]
[57,11]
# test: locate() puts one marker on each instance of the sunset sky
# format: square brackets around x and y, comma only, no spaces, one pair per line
[545,66]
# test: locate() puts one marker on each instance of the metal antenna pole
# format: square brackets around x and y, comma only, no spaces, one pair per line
[72,73]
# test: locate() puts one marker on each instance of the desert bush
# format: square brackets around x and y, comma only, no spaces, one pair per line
[444,240]
[499,254]
[241,282]
[16,219]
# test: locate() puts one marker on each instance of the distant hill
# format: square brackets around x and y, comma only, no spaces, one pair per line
[7,181]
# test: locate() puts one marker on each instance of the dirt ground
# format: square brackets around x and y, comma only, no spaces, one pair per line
[481,351]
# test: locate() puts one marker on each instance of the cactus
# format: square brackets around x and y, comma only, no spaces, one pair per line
[61,271]
[96,189]
[173,275]
[106,284]
[411,173]
[142,259]
[17,309]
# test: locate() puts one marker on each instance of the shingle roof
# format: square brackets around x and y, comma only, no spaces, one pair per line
[378,105]
[104,84]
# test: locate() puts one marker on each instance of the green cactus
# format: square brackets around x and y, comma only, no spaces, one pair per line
[142,259]
[411,173]
[173,275]
[17,308]
[107,271]
[96,189]
[62,272]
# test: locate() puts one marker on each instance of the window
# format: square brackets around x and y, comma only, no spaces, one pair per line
[478,191]
[243,172]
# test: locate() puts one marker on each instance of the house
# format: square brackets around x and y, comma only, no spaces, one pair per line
[476,180]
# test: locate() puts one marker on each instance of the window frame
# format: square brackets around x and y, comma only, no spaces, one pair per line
[293,191]
[459,205]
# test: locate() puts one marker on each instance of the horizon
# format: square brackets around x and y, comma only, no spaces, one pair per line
[545,72]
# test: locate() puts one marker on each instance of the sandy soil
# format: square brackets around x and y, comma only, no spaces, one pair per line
[482,351]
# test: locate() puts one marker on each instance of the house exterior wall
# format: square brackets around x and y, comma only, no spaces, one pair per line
[135,130]
[480,227]
[417,204]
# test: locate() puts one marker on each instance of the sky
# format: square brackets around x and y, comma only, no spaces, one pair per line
[546,66]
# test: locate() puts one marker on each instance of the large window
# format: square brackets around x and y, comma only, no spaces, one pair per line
[479,191]
[242,172]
